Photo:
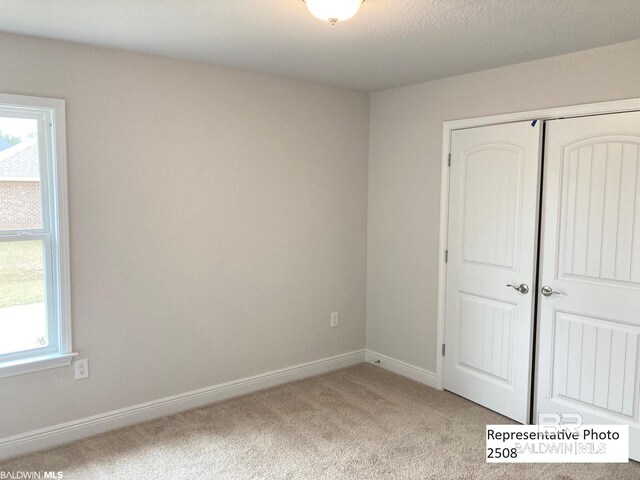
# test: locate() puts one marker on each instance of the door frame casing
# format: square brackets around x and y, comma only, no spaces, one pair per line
[542,115]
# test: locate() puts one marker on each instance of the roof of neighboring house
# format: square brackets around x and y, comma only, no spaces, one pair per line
[20,161]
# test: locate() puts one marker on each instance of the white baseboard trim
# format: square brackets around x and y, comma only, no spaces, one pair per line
[86,427]
[402,368]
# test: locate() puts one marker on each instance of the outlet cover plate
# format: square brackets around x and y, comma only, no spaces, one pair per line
[81,368]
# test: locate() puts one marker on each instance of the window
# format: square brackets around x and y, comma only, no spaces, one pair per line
[35,323]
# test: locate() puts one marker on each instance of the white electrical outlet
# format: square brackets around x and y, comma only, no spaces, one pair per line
[335,321]
[82,368]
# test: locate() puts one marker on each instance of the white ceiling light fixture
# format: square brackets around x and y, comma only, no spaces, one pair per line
[333,11]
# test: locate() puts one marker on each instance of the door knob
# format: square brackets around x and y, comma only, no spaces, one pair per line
[523,288]
[548,291]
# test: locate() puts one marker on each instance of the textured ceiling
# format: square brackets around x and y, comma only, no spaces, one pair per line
[388,43]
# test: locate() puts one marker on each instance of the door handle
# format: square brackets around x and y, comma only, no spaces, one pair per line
[523,288]
[548,291]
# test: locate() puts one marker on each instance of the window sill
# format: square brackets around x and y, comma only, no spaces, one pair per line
[34,364]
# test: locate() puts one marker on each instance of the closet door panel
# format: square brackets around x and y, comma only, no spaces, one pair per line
[492,243]
[589,321]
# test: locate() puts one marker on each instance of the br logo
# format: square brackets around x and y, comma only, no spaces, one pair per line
[559,420]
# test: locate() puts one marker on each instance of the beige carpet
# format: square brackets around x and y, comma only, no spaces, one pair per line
[361,422]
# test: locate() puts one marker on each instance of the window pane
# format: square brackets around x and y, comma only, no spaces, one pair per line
[20,206]
[23,320]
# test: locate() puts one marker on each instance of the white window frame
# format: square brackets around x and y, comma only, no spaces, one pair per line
[54,233]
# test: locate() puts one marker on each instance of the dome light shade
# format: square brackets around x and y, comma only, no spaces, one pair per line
[333,11]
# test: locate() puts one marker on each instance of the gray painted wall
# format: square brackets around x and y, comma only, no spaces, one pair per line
[217,217]
[405,151]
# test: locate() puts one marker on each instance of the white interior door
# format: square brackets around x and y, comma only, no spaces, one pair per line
[590,323]
[493,211]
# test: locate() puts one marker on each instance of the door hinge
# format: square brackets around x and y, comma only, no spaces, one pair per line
[449,160]
[443,349]
[446,256]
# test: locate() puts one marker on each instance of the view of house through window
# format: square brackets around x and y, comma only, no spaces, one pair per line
[23,317]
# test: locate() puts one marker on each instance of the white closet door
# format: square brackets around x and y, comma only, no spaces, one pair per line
[590,321]
[493,211]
